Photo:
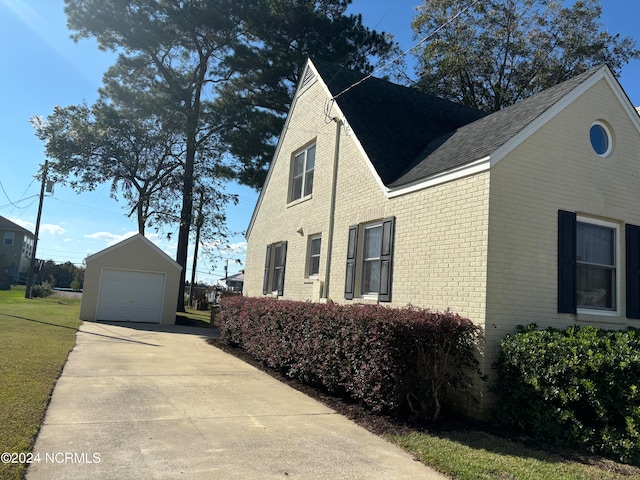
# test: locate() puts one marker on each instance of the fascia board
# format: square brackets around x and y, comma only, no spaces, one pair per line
[466,170]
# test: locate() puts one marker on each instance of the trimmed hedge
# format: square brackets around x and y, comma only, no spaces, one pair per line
[393,360]
[579,386]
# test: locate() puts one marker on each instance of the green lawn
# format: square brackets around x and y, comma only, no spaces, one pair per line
[36,336]
[477,455]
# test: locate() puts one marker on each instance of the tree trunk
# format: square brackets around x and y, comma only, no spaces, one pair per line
[141,218]
[199,222]
[185,220]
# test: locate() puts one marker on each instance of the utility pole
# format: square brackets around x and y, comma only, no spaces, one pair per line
[27,293]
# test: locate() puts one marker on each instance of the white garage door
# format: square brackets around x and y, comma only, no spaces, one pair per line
[131,296]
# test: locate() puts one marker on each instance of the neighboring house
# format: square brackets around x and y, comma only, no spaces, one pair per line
[379,193]
[131,281]
[16,250]
[235,282]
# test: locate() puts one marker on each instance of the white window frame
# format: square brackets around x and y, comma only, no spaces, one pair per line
[307,173]
[616,255]
[607,131]
[364,258]
[311,256]
[11,236]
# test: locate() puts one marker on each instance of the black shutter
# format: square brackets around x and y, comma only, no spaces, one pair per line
[350,277]
[632,234]
[386,259]
[265,279]
[567,272]
[282,266]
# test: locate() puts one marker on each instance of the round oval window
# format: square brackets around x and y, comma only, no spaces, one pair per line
[600,140]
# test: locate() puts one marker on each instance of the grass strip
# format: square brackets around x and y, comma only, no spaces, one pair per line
[478,455]
[37,336]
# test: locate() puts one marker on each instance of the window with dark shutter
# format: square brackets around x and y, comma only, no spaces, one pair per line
[386,259]
[567,301]
[632,234]
[282,269]
[267,263]
[279,261]
[350,277]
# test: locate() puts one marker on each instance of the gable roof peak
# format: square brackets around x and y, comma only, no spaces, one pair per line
[393,123]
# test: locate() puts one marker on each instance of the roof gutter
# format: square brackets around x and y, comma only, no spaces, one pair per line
[471,168]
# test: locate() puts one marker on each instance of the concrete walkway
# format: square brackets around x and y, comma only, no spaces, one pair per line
[151,402]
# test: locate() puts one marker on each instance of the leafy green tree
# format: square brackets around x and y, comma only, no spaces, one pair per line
[64,275]
[498,52]
[223,70]
[89,146]
[280,36]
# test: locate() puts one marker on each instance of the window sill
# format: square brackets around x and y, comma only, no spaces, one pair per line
[300,200]
[597,313]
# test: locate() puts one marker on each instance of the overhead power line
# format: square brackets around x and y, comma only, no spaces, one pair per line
[391,62]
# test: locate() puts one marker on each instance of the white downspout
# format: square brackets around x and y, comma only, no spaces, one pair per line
[332,209]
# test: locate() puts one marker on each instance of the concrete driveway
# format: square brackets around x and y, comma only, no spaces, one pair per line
[148,402]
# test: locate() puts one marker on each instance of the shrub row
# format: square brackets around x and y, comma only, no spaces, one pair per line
[578,386]
[392,360]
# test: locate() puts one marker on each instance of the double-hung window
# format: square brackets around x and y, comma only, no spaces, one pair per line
[372,246]
[8,238]
[313,261]
[370,260]
[588,270]
[274,268]
[302,173]
[596,266]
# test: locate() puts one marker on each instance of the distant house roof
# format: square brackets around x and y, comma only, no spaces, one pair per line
[409,135]
[6,224]
[238,277]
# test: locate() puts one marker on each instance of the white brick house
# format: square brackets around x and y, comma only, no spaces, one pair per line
[383,194]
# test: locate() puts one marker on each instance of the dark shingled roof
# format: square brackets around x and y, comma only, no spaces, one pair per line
[483,137]
[6,224]
[409,135]
[393,123]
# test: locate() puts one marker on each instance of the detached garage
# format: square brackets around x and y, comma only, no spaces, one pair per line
[132,281]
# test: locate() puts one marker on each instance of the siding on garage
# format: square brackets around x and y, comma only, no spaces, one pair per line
[131,281]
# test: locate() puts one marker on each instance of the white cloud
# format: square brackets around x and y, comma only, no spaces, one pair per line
[24,224]
[52,229]
[110,238]
[240,247]
[45,227]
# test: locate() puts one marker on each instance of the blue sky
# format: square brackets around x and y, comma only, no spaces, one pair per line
[41,67]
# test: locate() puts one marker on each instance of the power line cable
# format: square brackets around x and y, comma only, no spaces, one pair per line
[391,62]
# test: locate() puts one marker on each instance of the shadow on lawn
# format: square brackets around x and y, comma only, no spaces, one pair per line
[76,329]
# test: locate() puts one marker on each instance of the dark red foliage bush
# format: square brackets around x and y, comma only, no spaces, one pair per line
[393,360]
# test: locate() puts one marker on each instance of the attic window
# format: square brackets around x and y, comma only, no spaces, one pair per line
[601,140]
